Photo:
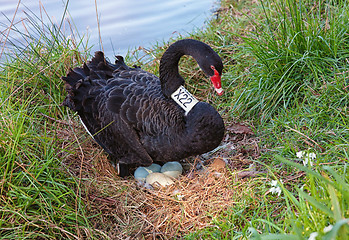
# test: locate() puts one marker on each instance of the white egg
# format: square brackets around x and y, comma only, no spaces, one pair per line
[158,178]
[142,172]
[172,166]
[174,174]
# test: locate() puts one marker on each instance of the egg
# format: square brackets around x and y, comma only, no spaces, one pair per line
[158,178]
[174,174]
[142,172]
[154,167]
[172,169]
[172,166]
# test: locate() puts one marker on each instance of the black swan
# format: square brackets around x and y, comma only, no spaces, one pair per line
[138,118]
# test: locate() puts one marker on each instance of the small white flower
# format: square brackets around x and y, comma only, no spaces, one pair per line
[275,189]
[300,154]
[313,236]
[308,157]
[311,156]
[328,228]
[178,195]
[274,183]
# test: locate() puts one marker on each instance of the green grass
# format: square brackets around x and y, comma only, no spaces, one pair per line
[295,93]
[300,48]
[39,199]
[286,74]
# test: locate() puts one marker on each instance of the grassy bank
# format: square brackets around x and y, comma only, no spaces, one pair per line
[293,89]
[40,199]
[286,79]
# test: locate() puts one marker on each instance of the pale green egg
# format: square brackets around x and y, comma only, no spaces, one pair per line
[172,169]
[154,167]
[172,166]
[142,172]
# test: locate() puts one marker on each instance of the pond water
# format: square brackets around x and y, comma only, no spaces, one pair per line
[123,24]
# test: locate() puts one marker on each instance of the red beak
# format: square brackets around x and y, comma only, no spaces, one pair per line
[216,81]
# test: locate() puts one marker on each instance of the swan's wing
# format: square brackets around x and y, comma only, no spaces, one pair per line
[142,105]
[97,97]
[110,130]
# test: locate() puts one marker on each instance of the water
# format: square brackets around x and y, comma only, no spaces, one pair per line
[124,24]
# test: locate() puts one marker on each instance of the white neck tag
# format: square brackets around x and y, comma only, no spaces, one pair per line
[184,99]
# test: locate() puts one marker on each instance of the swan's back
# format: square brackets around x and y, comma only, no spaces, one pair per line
[125,111]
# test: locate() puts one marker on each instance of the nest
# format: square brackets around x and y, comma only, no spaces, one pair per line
[190,204]
[124,209]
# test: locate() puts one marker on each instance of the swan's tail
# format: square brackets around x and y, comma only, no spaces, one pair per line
[97,68]
[93,73]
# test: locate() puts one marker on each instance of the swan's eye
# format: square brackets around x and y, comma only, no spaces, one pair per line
[216,73]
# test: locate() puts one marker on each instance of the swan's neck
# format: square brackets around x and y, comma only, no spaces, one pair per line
[169,75]
[208,60]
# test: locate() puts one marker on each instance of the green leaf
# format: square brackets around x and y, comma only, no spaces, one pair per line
[341,226]
[340,180]
[316,204]
[335,203]
[279,236]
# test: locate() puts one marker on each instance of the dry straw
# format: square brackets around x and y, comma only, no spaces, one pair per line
[122,208]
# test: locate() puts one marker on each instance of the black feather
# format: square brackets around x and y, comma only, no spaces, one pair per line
[131,115]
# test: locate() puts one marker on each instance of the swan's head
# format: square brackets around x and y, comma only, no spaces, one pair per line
[212,66]
[208,60]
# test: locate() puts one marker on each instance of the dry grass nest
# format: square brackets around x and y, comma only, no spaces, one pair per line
[124,209]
